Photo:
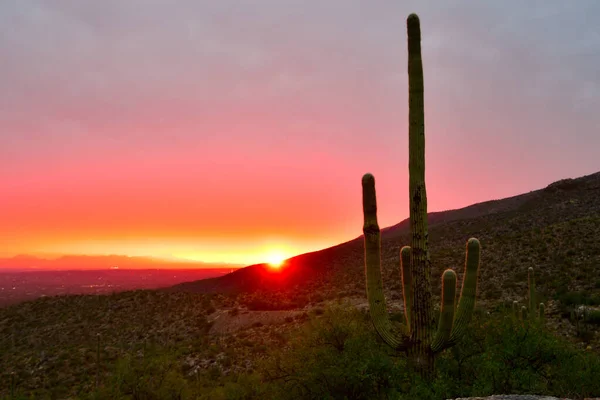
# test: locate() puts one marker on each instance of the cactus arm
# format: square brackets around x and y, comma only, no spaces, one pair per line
[515,308]
[446,311]
[466,304]
[377,306]
[407,290]
[542,312]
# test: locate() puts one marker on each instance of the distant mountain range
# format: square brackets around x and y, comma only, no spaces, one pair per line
[83,262]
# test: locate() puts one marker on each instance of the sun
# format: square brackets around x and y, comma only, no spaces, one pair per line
[275,259]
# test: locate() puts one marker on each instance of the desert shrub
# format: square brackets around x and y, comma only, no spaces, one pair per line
[577,298]
[316,297]
[234,311]
[301,300]
[336,357]
[339,356]
[270,301]
[155,376]
[593,317]
[502,354]
[210,310]
[243,387]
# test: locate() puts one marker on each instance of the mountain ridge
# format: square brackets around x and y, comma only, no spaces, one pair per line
[311,267]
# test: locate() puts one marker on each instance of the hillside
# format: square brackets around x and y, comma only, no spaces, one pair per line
[556,230]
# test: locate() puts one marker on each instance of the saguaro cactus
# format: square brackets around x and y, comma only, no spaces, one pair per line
[532,297]
[419,340]
[530,311]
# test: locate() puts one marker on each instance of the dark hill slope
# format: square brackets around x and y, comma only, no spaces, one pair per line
[556,230]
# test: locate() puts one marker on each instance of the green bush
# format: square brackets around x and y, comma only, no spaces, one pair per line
[577,298]
[522,357]
[154,376]
[593,317]
[338,355]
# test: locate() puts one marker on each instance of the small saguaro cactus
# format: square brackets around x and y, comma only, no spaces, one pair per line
[530,312]
[524,313]
[419,340]
[532,297]
[580,316]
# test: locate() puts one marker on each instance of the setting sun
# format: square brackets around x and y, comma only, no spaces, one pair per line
[275,259]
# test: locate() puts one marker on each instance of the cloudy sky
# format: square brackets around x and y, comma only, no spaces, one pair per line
[226,130]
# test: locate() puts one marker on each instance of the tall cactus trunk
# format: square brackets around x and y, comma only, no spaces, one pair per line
[422,360]
[420,268]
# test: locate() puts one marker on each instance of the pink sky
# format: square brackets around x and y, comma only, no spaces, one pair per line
[226,131]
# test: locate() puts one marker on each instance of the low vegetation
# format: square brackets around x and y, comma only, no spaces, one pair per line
[331,352]
[55,346]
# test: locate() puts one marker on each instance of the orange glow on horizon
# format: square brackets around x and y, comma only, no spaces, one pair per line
[274,256]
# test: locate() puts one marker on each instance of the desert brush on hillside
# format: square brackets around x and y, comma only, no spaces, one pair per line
[329,351]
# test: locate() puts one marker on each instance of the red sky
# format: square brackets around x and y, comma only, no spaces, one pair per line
[228,131]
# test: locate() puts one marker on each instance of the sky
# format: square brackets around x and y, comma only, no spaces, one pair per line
[236,131]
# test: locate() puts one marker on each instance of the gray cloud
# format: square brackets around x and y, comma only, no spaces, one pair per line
[87,75]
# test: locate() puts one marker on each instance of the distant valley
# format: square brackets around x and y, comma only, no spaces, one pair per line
[27,278]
